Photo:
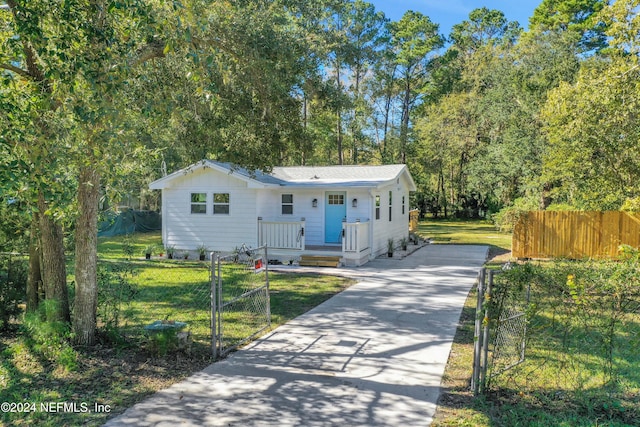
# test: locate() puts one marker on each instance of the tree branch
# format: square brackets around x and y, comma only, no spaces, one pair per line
[154,49]
[17,70]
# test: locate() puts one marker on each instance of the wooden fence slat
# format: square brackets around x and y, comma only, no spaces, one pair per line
[572,234]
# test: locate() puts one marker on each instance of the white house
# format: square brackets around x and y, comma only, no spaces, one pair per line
[351,211]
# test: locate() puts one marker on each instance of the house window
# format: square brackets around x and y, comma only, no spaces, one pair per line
[378,206]
[390,203]
[287,204]
[403,205]
[336,199]
[198,203]
[221,203]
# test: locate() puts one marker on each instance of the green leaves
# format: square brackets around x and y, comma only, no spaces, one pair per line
[592,127]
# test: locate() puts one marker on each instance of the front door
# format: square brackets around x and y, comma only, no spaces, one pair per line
[335,210]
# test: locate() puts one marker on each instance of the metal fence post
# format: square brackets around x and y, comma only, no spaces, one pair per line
[485,334]
[214,308]
[477,338]
[266,278]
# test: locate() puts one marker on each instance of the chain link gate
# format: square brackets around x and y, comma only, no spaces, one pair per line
[240,304]
[500,329]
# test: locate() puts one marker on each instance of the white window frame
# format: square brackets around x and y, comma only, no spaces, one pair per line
[284,204]
[198,203]
[226,204]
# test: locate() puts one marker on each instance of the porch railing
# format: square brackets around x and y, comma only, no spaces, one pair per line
[281,234]
[355,236]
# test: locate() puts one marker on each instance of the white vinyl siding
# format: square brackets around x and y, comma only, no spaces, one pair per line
[218,232]
[223,232]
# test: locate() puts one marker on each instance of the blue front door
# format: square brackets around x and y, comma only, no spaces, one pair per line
[335,210]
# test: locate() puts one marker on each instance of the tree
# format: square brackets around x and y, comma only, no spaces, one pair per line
[592,124]
[484,26]
[365,34]
[466,129]
[414,40]
[575,16]
[244,66]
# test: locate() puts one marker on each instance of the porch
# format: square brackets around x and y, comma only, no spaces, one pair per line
[286,241]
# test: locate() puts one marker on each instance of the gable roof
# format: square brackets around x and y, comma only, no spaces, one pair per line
[302,176]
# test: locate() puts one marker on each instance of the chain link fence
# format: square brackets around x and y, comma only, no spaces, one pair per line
[500,329]
[241,298]
[566,332]
[199,306]
[164,304]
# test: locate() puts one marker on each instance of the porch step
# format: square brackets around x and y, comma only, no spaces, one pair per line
[319,261]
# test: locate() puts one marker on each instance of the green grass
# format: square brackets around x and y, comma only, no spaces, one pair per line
[120,373]
[563,380]
[466,232]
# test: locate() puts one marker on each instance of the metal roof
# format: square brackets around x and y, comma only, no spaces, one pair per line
[304,176]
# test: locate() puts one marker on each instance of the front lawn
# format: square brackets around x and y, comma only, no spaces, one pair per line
[39,366]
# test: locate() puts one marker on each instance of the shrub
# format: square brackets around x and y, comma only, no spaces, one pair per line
[631,205]
[114,292]
[508,216]
[163,342]
[13,284]
[50,339]
[127,247]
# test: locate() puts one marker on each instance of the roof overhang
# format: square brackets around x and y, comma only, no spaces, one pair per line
[166,181]
[310,183]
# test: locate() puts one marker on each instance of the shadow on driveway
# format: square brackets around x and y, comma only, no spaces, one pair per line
[372,355]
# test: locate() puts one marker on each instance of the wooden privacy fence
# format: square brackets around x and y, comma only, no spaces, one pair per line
[574,234]
[414,216]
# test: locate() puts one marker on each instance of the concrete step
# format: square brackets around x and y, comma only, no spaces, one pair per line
[319,261]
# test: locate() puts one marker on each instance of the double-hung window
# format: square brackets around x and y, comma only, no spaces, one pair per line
[198,203]
[287,204]
[378,206]
[221,203]
[390,203]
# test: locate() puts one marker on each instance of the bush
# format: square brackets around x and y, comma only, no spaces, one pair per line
[631,205]
[114,292]
[163,342]
[50,339]
[13,285]
[559,207]
[506,219]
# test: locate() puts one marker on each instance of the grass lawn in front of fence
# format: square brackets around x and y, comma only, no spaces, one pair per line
[121,374]
[467,232]
[541,391]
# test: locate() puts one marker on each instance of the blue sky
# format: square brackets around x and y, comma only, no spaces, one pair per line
[450,12]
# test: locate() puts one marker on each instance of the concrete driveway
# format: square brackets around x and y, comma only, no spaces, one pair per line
[371,356]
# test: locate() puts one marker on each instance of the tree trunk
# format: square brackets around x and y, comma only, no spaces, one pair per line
[84,312]
[339,137]
[54,270]
[34,280]
[339,116]
[404,124]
